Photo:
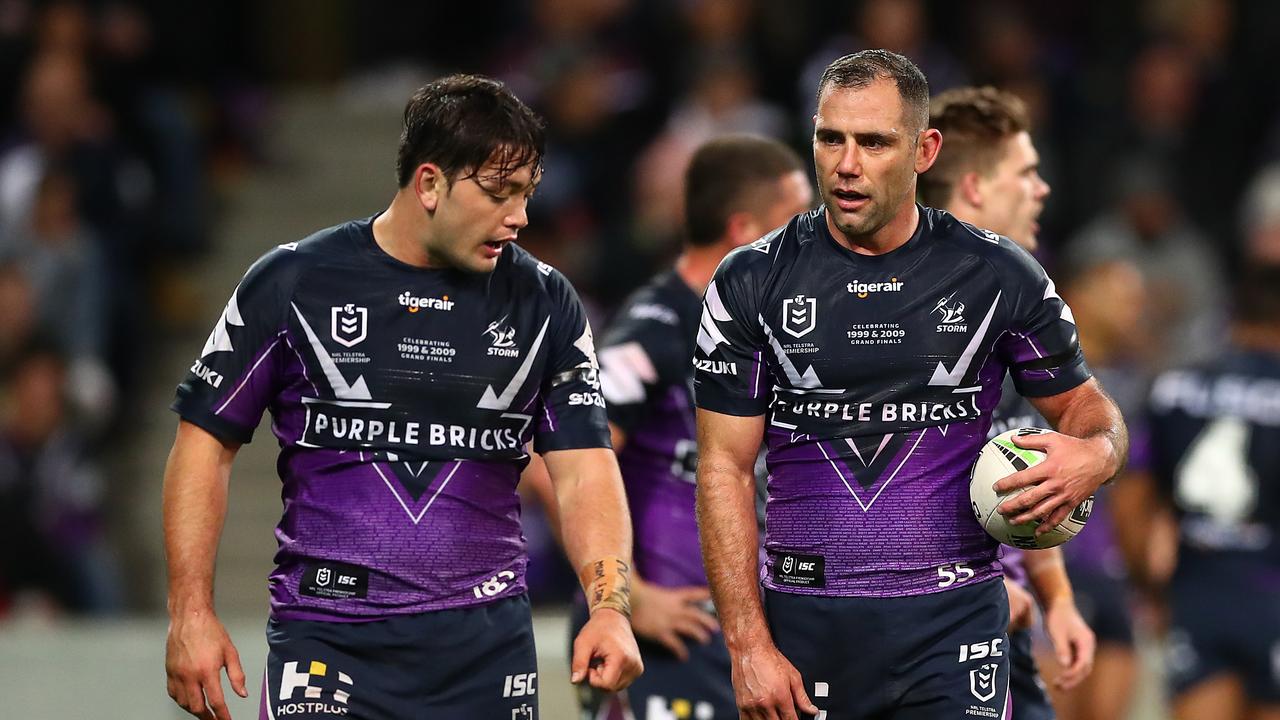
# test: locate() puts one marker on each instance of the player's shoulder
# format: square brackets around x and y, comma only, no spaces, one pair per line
[756,261]
[282,265]
[521,266]
[657,310]
[1008,261]
[955,234]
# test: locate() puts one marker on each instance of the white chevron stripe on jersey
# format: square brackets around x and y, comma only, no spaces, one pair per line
[490,401]
[220,339]
[624,371]
[712,310]
[356,390]
[942,376]
[808,380]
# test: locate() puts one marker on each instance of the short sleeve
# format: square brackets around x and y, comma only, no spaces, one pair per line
[1041,347]
[238,372]
[729,376]
[572,411]
[641,354]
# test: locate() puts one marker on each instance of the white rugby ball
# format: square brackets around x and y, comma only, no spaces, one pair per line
[999,459]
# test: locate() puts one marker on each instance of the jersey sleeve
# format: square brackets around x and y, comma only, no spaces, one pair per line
[729,376]
[639,357]
[1041,347]
[572,412]
[238,372]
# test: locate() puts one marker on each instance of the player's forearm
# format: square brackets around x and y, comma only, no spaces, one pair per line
[594,522]
[194,508]
[1093,416]
[1047,575]
[727,529]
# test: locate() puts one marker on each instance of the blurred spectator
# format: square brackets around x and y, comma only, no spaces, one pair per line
[722,101]
[60,257]
[18,321]
[51,533]
[1182,272]
[898,25]
[1261,218]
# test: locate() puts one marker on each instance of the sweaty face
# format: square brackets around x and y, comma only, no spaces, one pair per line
[477,216]
[865,152]
[1013,194]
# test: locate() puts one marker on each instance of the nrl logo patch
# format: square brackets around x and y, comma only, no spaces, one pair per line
[799,315]
[349,324]
[982,681]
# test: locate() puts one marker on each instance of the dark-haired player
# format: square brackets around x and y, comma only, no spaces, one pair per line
[1215,433]
[406,360]
[736,189]
[871,337]
[988,175]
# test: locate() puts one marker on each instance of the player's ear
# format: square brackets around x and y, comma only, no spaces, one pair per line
[927,149]
[429,184]
[969,189]
[741,228]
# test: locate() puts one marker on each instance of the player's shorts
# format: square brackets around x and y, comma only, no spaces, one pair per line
[700,688]
[474,662]
[1219,625]
[1029,698]
[1103,602]
[942,655]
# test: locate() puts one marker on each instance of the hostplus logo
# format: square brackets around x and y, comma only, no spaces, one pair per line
[310,683]
[862,289]
[407,299]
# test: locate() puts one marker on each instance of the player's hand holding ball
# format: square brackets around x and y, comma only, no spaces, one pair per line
[1032,488]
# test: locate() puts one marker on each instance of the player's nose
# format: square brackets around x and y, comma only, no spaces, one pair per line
[850,161]
[517,218]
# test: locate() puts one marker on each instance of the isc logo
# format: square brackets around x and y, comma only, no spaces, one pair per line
[520,685]
[978,651]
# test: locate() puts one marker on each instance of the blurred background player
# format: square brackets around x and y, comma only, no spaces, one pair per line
[988,174]
[399,459]
[1215,433]
[825,332]
[736,188]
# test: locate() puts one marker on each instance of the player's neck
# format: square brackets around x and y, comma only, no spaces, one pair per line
[892,236]
[697,265]
[401,232]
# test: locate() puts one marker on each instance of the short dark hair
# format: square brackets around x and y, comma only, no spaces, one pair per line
[865,67]
[461,122]
[725,175]
[973,122]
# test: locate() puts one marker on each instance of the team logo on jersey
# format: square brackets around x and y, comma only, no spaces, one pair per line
[349,324]
[982,681]
[502,338]
[799,315]
[313,684]
[952,312]
[862,289]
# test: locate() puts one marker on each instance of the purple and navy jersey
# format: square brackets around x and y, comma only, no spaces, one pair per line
[1013,412]
[402,399]
[1215,449]
[877,376]
[646,378]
